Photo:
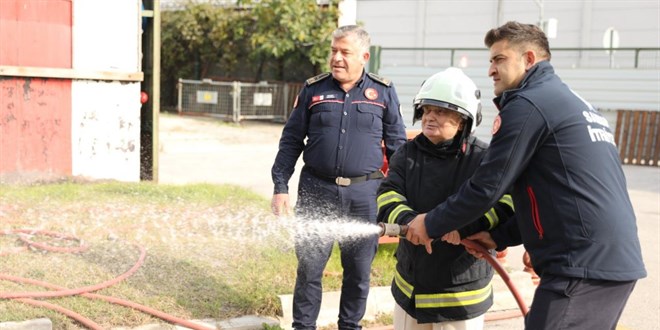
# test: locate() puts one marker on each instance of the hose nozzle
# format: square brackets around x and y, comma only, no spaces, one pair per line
[392,229]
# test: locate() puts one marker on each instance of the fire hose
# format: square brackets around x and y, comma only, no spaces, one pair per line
[58,291]
[394,230]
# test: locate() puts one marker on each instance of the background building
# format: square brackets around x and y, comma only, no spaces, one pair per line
[419,37]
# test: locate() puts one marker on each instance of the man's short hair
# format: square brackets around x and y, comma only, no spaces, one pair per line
[361,35]
[518,34]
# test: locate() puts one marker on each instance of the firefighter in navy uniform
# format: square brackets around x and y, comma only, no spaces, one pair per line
[338,123]
[449,287]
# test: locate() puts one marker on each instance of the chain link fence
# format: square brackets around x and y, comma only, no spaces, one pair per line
[236,101]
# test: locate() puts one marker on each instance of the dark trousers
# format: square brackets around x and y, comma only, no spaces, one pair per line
[572,303]
[321,201]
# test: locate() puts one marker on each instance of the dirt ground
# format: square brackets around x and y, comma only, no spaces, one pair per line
[248,131]
[199,149]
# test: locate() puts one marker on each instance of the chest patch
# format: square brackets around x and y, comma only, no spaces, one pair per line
[317,98]
[371,94]
[496,124]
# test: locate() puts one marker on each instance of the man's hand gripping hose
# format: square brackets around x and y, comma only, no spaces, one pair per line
[390,229]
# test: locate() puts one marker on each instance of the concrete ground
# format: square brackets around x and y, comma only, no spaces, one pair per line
[202,150]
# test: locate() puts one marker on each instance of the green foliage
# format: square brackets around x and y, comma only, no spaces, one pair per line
[283,27]
[196,39]
[206,40]
[203,35]
[71,191]
[271,327]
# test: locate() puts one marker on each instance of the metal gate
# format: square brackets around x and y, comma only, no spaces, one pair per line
[236,101]
[638,137]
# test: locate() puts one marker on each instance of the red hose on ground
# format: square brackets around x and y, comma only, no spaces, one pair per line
[71,314]
[72,292]
[85,291]
[126,303]
[500,270]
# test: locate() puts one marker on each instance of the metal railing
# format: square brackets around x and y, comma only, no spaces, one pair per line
[631,57]
[236,101]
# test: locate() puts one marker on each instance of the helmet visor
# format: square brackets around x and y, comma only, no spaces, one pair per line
[464,113]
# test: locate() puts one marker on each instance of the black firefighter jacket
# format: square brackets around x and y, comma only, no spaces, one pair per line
[449,284]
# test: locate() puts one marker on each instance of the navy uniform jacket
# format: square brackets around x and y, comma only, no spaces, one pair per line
[344,131]
[573,211]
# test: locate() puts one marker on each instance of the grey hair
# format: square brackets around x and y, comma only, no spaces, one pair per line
[361,35]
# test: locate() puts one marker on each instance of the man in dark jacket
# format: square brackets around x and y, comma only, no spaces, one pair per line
[448,288]
[339,122]
[573,212]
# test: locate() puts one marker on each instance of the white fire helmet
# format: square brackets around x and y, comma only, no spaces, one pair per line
[454,90]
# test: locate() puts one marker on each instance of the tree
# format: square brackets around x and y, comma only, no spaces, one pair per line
[205,35]
[293,27]
[198,38]
[250,37]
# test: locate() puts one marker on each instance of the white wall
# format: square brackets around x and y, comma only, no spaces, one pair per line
[454,23]
[106,35]
[105,131]
[463,23]
[106,114]
[347,12]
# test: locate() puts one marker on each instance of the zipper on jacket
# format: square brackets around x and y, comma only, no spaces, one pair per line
[535,212]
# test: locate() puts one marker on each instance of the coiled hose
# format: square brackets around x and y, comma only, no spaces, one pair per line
[58,291]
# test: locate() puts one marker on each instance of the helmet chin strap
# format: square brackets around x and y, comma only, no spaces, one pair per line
[477,120]
[461,140]
[417,114]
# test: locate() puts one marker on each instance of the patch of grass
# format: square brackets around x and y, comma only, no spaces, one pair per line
[213,251]
[382,269]
[71,190]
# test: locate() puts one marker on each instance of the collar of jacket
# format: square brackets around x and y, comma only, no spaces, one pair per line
[358,83]
[538,70]
[442,150]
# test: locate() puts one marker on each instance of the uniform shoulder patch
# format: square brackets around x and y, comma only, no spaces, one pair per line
[380,79]
[316,79]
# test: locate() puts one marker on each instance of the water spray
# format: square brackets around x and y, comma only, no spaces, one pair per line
[396,230]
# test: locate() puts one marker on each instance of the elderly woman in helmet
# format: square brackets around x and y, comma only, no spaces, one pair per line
[448,287]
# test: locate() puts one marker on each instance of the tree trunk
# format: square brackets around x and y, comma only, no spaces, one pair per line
[260,68]
[280,68]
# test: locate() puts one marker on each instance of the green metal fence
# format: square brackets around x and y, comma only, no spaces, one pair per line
[632,57]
